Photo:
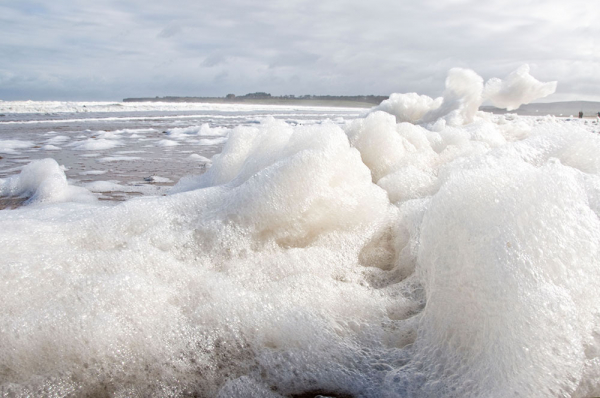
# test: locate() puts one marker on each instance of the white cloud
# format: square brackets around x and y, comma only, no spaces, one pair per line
[110,50]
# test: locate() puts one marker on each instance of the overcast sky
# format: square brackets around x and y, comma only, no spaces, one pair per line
[108,50]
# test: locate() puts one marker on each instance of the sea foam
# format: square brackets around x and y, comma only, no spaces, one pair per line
[375,259]
[43,181]
[465,92]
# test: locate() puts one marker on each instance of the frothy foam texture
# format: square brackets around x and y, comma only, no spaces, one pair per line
[374,259]
[203,130]
[12,146]
[100,144]
[465,92]
[43,181]
[517,89]
[52,107]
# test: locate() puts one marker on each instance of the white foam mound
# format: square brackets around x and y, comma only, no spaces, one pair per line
[380,259]
[12,146]
[202,130]
[199,158]
[58,139]
[212,141]
[462,98]
[105,186]
[410,107]
[464,94]
[276,165]
[43,181]
[167,143]
[100,144]
[502,309]
[516,89]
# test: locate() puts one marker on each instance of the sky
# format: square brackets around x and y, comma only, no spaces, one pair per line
[109,50]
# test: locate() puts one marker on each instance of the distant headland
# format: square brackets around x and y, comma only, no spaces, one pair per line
[261,98]
[564,108]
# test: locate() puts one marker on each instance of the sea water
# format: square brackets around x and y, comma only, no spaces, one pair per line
[120,150]
[423,248]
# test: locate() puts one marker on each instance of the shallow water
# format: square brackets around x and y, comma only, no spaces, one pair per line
[145,147]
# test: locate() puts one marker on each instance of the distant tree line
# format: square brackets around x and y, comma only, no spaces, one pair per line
[372,99]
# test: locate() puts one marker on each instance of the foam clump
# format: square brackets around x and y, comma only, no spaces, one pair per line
[167,143]
[499,244]
[409,107]
[461,100]
[43,181]
[518,88]
[191,131]
[12,146]
[378,142]
[253,269]
[93,144]
[465,92]
[199,158]
[276,164]
[212,141]
[58,139]
[105,186]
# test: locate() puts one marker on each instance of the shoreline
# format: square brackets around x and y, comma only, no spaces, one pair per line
[274,101]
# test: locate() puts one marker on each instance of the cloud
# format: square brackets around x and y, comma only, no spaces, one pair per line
[110,50]
[169,31]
